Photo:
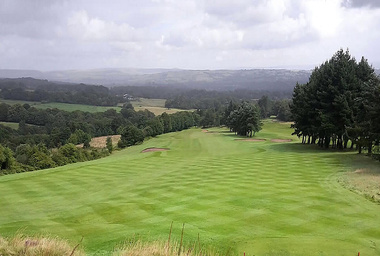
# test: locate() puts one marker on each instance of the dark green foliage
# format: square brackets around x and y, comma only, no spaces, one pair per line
[265,106]
[245,120]
[338,104]
[109,145]
[208,119]
[79,137]
[166,122]
[202,99]
[6,158]
[130,135]
[281,109]
[30,89]
[156,125]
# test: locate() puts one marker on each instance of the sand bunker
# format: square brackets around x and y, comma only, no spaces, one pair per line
[154,149]
[251,139]
[362,171]
[281,140]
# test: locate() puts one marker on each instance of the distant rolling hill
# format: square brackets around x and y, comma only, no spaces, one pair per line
[254,79]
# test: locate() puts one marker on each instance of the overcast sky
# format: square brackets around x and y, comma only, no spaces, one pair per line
[188,34]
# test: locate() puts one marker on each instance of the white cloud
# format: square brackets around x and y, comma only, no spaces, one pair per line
[195,34]
[81,26]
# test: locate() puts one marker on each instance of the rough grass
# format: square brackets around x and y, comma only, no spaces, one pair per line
[156,106]
[262,198]
[161,248]
[362,178]
[37,246]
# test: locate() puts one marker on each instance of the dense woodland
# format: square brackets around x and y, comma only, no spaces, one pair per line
[29,89]
[340,105]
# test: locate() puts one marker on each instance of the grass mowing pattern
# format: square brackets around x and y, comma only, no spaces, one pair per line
[263,198]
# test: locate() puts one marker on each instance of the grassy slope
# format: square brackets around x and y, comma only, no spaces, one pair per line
[63,106]
[263,198]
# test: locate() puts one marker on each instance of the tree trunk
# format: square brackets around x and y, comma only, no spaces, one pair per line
[340,143]
[370,148]
[327,142]
[345,143]
[308,140]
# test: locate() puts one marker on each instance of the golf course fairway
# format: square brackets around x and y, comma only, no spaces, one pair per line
[259,197]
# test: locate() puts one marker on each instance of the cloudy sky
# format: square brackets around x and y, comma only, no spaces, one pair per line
[188,34]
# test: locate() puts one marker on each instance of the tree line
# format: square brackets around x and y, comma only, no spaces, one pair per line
[29,89]
[339,105]
[48,138]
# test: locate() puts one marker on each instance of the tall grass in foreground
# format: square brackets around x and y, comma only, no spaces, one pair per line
[41,246]
[162,248]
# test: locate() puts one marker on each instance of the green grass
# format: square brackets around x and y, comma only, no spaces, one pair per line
[262,198]
[10,124]
[62,106]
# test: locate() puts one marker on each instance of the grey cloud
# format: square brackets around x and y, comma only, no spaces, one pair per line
[362,3]
[30,19]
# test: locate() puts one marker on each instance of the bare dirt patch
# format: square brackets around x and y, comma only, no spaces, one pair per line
[154,150]
[281,140]
[204,130]
[251,139]
[361,171]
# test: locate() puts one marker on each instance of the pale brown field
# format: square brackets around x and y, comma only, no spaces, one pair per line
[100,142]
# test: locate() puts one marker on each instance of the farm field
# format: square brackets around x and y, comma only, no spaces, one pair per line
[259,197]
[62,106]
[156,106]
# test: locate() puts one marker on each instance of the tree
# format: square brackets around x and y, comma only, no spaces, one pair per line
[333,107]
[130,135]
[245,120]
[265,105]
[6,158]
[166,122]
[109,145]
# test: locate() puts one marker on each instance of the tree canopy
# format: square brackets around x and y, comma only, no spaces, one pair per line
[339,103]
